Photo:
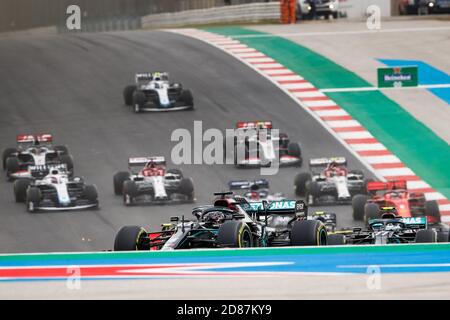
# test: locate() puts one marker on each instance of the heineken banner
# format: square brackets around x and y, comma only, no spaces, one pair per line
[398,77]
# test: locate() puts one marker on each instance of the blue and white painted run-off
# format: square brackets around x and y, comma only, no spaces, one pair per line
[428,75]
[412,258]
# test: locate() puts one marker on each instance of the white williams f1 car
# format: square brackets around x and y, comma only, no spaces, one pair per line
[329,182]
[152,183]
[34,150]
[154,92]
[55,191]
[257,144]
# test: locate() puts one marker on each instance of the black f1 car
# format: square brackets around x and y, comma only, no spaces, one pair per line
[230,222]
[34,150]
[154,92]
[55,190]
[148,181]
[329,182]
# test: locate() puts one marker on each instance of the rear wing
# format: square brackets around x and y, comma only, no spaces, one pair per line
[254,125]
[143,76]
[412,222]
[294,207]
[247,184]
[322,162]
[386,186]
[142,161]
[31,138]
[41,171]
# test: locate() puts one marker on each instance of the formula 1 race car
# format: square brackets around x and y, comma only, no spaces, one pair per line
[329,182]
[154,92]
[394,194]
[257,144]
[34,150]
[390,228]
[230,222]
[254,190]
[148,181]
[55,190]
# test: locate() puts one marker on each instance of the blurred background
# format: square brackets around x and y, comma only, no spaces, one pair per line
[104,15]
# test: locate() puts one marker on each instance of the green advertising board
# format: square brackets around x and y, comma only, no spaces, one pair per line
[398,77]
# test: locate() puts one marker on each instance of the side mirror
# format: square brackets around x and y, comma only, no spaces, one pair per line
[174,219]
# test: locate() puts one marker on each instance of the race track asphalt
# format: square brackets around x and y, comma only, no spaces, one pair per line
[71,86]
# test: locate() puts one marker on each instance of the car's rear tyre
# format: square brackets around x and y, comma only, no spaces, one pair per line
[300,183]
[175,171]
[294,149]
[187,188]
[234,234]
[128,94]
[119,178]
[308,233]
[358,203]
[33,199]
[62,149]
[187,99]
[426,236]
[443,236]
[128,238]
[8,152]
[90,192]
[336,240]
[130,191]
[67,160]
[138,101]
[371,211]
[12,165]
[432,210]
[312,191]
[20,189]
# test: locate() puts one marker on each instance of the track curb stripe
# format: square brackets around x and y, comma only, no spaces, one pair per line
[371,152]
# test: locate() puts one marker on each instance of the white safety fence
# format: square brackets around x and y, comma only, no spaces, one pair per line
[252,12]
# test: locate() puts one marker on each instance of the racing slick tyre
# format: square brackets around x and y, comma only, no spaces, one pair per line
[128,95]
[129,238]
[119,178]
[294,150]
[187,99]
[358,203]
[138,101]
[335,240]
[308,233]
[90,192]
[443,236]
[130,191]
[6,154]
[12,165]
[33,199]
[371,211]
[62,150]
[235,234]
[426,236]
[187,188]
[68,161]
[175,171]
[300,183]
[312,192]
[432,210]
[20,189]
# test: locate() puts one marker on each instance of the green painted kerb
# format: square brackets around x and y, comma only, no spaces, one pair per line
[413,142]
[109,257]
